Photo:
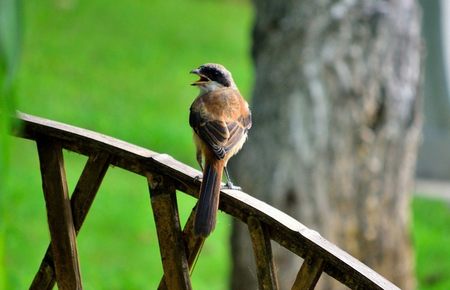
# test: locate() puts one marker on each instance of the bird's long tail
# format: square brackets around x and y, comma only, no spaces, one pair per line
[208,203]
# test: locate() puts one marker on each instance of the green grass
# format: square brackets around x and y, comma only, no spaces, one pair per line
[122,69]
[432,241]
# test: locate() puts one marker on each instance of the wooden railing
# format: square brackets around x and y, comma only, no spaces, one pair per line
[178,247]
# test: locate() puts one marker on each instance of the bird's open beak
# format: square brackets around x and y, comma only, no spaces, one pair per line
[202,79]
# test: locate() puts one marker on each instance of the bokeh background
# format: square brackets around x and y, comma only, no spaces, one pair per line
[122,68]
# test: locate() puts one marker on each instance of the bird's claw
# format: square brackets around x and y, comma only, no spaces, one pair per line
[198,178]
[230,185]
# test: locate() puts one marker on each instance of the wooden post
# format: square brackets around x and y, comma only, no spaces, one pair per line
[82,199]
[309,273]
[59,214]
[263,255]
[171,244]
[193,245]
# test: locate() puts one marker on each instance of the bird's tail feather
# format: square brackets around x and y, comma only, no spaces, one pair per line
[208,203]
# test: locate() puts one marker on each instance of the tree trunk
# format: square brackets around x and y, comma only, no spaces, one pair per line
[434,154]
[337,119]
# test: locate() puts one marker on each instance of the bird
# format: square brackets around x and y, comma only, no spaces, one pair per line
[220,119]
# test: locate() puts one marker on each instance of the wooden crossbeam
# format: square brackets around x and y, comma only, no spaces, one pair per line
[81,200]
[262,248]
[59,214]
[87,186]
[171,244]
[309,273]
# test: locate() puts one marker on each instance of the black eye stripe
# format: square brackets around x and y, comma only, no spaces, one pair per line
[215,75]
[211,72]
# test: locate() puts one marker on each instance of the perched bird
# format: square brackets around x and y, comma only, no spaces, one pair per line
[220,118]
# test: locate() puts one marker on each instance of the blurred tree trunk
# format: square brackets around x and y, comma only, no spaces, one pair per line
[337,121]
[434,154]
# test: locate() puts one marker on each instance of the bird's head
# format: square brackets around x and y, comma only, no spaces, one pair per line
[213,76]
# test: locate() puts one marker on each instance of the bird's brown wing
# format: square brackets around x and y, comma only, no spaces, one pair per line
[238,129]
[221,136]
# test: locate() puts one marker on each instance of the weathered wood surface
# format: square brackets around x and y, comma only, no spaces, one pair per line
[81,200]
[282,228]
[262,249]
[192,244]
[59,213]
[309,273]
[171,244]
[87,187]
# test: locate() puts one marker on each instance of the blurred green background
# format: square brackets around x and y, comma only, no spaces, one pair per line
[121,68]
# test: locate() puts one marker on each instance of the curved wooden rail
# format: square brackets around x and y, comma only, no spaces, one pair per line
[179,247]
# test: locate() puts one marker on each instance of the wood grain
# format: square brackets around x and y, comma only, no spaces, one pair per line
[59,214]
[309,273]
[193,246]
[171,244]
[81,200]
[265,267]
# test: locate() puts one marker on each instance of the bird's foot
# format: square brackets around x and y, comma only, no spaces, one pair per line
[199,178]
[230,185]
